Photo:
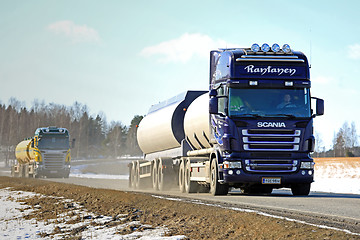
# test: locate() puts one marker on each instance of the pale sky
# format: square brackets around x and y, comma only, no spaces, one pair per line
[120,57]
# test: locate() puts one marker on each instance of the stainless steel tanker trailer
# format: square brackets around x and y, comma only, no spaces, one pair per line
[175,140]
[252,130]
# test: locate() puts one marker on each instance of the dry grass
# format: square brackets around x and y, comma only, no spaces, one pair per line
[341,166]
[347,161]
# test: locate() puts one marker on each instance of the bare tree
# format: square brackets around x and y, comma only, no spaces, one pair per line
[318,144]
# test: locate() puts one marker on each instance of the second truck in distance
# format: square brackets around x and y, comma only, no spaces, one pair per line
[252,130]
[47,154]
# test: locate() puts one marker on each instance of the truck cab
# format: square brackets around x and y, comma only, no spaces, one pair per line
[261,117]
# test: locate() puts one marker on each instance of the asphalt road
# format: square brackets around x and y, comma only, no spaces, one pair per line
[329,209]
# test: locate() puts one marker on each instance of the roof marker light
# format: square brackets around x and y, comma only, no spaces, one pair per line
[253,83]
[255,47]
[286,48]
[289,84]
[265,47]
[275,47]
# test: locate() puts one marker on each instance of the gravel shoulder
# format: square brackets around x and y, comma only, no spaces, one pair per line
[195,221]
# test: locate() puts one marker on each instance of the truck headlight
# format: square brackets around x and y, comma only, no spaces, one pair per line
[307,165]
[228,164]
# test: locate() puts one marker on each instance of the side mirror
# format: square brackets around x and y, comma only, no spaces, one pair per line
[319,107]
[213,105]
[73,143]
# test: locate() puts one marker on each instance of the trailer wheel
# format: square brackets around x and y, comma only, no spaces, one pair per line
[301,189]
[12,171]
[26,171]
[190,187]
[154,176]
[132,173]
[215,187]
[137,176]
[182,177]
[164,180]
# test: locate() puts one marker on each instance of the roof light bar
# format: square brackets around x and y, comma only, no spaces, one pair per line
[274,48]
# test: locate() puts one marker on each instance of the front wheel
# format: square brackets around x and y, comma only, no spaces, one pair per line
[302,189]
[215,187]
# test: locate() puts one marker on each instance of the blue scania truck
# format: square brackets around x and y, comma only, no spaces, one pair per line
[253,128]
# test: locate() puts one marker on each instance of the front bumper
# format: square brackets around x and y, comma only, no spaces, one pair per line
[61,172]
[240,177]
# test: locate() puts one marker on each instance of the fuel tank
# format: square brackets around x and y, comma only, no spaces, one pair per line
[24,153]
[163,127]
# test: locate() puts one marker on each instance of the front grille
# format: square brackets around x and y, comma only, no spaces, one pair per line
[271,139]
[54,161]
[273,165]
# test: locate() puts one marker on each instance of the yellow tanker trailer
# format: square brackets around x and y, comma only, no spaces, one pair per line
[45,154]
[25,155]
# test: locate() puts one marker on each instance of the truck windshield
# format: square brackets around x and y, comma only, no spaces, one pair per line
[269,102]
[53,142]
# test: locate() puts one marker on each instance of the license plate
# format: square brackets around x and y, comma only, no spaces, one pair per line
[271,180]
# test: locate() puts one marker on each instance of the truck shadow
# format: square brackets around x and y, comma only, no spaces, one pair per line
[287,193]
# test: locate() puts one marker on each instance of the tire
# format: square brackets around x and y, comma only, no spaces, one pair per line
[190,187]
[132,174]
[182,177]
[154,176]
[301,189]
[26,171]
[215,187]
[137,177]
[21,171]
[164,180]
[12,171]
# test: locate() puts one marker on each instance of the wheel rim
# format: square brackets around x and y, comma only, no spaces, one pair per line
[181,178]
[213,176]
[154,177]
[187,178]
[160,176]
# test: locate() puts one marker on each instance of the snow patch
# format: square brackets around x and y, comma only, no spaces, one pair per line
[14,226]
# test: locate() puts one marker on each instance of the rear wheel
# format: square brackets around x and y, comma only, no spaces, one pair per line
[215,187]
[302,189]
[164,180]
[12,171]
[181,177]
[26,170]
[137,176]
[190,187]
[132,177]
[154,176]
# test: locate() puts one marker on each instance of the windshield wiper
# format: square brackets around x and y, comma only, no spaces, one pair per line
[282,115]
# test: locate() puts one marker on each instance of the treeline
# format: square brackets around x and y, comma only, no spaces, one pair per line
[95,138]
[345,143]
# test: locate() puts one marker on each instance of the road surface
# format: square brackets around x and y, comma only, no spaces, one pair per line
[329,209]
